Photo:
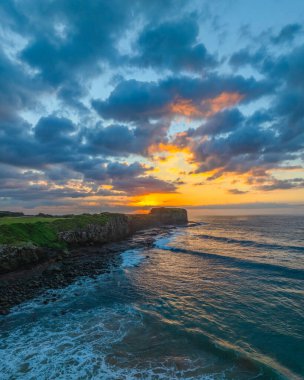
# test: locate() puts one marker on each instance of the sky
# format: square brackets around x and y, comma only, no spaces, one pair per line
[125,105]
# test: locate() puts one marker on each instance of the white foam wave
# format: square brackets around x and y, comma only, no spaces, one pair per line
[131,258]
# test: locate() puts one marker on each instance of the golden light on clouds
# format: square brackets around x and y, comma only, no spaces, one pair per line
[224,100]
[163,152]
[207,108]
[184,107]
[146,201]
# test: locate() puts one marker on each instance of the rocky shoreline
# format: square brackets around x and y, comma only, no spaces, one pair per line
[29,241]
[19,286]
[90,246]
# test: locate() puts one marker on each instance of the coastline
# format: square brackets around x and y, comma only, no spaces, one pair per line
[160,288]
[21,285]
[85,245]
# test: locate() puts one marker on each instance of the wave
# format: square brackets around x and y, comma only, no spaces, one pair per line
[248,264]
[252,243]
[265,366]
[256,364]
[131,258]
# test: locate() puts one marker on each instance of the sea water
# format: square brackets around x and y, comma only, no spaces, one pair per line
[223,299]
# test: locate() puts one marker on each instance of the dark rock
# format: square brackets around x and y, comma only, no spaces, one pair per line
[53,269]
[13,258]
[116,228]
[158,217]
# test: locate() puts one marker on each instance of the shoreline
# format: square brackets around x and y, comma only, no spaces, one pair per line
[22,285]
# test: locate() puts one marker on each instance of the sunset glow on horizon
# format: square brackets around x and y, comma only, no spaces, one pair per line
[101,112]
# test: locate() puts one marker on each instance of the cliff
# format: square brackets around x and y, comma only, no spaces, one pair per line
[158,217]
[27,241]
[116,227]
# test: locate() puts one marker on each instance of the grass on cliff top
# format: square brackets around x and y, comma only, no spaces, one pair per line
[42,232]
[25,219]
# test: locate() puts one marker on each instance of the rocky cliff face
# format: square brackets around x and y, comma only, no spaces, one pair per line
[170,215]
[116,228]
[120,226]
[158,217]
[17,257]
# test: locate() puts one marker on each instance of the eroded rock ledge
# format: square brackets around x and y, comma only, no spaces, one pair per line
[28,244]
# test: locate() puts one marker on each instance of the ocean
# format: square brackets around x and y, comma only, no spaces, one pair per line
[221,299]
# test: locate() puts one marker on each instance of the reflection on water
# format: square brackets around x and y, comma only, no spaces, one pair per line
[221,300]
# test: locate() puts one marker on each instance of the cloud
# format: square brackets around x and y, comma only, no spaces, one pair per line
[229,142]
[119,170]
[76,40]
[173,45]
[52,129]
[221,122]
[237,191]
[287,34]
[250,206]
[56,183]
[240,150]
[287,184]
[135,101]
[18,89]
[245,57]
[121,140]
[143,185]
[165,77]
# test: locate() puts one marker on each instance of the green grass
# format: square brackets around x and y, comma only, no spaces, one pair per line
[25,219]
[41,231]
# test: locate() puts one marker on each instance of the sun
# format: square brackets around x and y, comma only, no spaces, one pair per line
[147,201]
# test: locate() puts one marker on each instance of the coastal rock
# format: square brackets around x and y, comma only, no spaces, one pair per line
[116,228]
[53,268]
[12,258]
[159,216]
[170,215]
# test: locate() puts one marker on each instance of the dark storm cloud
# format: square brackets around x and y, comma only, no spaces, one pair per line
[285,69]
[121,140]
[69,42]
[243,144]
[239,151]
[121,170]
[245,57]
[127,179]
[134,101]
[72,43]
[49,142]
[124,179]
[174,46]
[53,129]
[287,34]
[18,89]
[266,139]
[221,122]
[143,185]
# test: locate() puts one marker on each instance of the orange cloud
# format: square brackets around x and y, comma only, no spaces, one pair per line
[170,157]
[209,107]
[224,100]
[168,148]
[184,107]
